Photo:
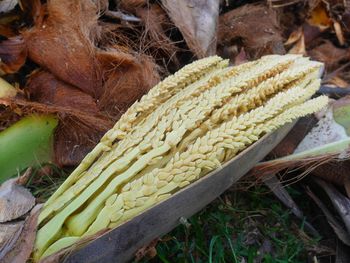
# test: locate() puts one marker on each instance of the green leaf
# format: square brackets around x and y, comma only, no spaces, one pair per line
[28,142]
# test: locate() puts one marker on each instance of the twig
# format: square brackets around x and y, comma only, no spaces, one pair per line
[120,15]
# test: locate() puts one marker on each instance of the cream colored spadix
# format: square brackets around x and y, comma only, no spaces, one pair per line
[184,128]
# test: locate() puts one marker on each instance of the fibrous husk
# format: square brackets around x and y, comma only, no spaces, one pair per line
[153,37]
[7,117]
[255,27]
[64,45]
[45,88]
[13,54]
[197,21]
[131,5]
[87,80]
[81,124]
[134,77]
[15,201]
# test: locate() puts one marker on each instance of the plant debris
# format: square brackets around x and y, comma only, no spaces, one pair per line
[81,64]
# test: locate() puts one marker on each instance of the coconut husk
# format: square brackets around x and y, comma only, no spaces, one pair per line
[7,117]
[154,39]
[77,133]
[85,78]
[45,88]
[131,5]
[64,43]
[81,124]
[13,54]
[133,77]
[254,27]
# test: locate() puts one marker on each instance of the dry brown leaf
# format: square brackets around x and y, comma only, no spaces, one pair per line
[319,17]
[340,202]
[197,21]
[63,44]
[337,81]
[311,35]
[329,54]
[13,54]
[299,47]
[9,233]
[282,3]
[21,249]
[295,36]
[253,27]
[7,5]
[149,251]
[15,201]
[332,220]
[339,33]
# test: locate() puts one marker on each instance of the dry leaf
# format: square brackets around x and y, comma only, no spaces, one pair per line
[339,33]
[295,36]
[43,87]
[319,17]
[13,54]
[9,233]
[299,47]
[149,251]
[7,5]
[326,131]
[21,249]
[337,81]
[254,27]
[282,3]
[340,202]
[329,54]
[333,222]
[15,201]
[197,21]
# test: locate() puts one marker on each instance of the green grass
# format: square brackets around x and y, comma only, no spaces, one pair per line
[43,184]
[251,226]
